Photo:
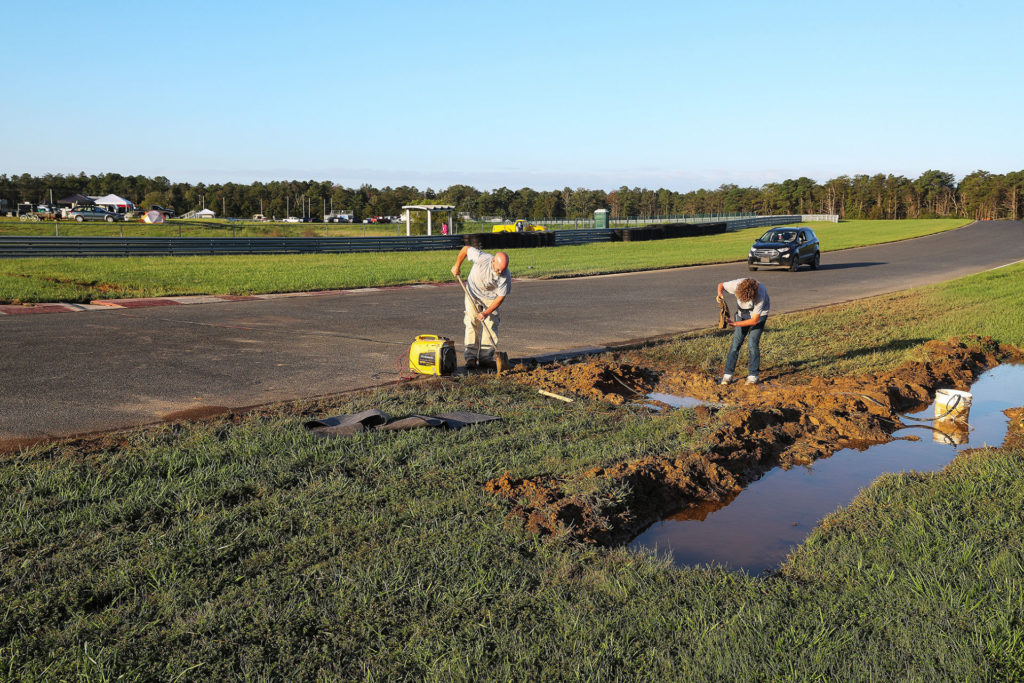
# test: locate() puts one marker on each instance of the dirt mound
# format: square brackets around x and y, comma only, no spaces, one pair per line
[612,382]
[1015,430]
[761,427]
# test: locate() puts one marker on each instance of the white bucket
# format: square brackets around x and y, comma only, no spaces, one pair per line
[952,404]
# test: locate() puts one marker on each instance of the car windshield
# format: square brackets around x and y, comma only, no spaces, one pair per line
[779,236]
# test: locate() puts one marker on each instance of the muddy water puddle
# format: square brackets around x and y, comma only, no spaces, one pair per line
[676,402]
[757,529]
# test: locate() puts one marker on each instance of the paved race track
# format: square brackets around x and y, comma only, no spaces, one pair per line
[70,373]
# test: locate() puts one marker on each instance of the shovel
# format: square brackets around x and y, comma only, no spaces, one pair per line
[500,357]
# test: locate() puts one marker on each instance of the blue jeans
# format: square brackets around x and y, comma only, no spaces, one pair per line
[753,337]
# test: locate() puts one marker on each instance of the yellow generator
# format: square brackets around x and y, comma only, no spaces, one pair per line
[433,355]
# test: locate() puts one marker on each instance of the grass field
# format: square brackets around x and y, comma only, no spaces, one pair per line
[81,280]
[252,550]
[194,228]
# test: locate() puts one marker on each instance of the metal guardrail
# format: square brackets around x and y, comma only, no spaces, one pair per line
[25,247]
[822,217]
[765,221]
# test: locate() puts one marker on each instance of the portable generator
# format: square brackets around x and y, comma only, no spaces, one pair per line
[432,355]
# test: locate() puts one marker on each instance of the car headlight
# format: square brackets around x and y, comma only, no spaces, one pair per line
[784,250]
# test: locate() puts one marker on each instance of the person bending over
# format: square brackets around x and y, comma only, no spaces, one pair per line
[752,305]
[489,282]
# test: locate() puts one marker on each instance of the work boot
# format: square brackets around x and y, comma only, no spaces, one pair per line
[752,379]
[726,379]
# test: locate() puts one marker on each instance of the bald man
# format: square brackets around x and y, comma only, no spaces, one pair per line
[489,282]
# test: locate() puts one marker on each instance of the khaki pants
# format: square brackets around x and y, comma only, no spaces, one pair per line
[473,332]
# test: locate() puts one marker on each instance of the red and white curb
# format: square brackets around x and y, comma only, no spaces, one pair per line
[110,304]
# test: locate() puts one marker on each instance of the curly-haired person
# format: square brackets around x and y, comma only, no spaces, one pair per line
[752,305]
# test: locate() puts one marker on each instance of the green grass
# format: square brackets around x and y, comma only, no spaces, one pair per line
[32,280]
[252,550]
[863,336]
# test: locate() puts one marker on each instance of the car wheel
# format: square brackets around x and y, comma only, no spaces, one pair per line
[79,219]
[817,260]
[794,265]
[751,267]
[110,219]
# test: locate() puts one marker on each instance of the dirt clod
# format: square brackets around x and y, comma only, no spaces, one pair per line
[612,382]
[1015,430]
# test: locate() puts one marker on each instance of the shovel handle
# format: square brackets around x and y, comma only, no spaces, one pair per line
[479,308]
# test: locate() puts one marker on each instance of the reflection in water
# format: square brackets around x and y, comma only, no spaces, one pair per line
[953,432]
[674,401]
[699,511]
[756,530]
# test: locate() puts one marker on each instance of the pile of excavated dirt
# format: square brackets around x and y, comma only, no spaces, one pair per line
[612,382]
[761,427]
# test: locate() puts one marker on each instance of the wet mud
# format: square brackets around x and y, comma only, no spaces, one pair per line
[757,428]
[1015,428]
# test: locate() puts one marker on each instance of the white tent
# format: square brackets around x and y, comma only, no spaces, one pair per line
[114,203]
[206,213]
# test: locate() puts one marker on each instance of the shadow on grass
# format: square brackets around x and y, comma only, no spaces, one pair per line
[809,364]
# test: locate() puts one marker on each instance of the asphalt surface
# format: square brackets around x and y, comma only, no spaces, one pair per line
[73,373]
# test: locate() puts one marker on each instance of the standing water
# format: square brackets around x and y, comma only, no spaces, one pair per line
[757,529]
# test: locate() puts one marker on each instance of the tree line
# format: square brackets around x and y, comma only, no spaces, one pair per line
[979,195]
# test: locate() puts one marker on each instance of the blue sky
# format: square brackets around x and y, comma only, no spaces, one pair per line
[545,95]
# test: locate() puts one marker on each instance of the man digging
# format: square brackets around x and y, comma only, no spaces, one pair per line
[489,283]
[752,304]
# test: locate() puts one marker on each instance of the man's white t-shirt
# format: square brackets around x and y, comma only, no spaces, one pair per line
[483,283]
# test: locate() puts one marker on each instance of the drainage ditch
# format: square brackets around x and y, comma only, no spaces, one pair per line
[758,429]
[757,529]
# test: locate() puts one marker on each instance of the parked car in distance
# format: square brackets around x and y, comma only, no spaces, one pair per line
[293,219]
[786,246]
[94,213]
[168,213]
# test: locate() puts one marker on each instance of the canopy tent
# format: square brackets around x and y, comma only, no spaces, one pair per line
[430,209]
[77,200]
[206,213]
[113,202]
